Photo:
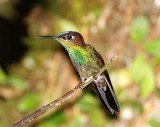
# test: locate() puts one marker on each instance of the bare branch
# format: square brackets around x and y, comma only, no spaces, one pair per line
[60,100]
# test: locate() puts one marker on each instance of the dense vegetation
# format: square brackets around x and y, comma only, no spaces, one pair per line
[34,72]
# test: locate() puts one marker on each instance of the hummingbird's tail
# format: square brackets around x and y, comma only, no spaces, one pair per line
[107,97]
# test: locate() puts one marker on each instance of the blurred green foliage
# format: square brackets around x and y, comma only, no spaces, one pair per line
[139,29]
[33,80]
[29,102]
[18,82]
[144,74]
[54,120]
[1,125]
[154,122]
[13,81]
[153,47]
[3,77]
[143,71]
[88,104]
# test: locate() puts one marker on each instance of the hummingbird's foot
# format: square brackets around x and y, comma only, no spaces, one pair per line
[99,80]
[83,79]
[95,76]
[104,88]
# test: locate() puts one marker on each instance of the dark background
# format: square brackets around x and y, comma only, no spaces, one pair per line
[34,72]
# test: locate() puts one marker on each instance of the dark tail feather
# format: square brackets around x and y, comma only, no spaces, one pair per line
[110,94]
[107,97]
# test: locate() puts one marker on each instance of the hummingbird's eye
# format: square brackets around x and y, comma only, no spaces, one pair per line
[69,37]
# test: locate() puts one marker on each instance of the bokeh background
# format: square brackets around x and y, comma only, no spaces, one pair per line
[34,72]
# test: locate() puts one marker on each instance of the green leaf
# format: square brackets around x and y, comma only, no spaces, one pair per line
[88,103]
[154,123]
[148,83]
[97,118]
[139,29]
[29,102]
[134,104]
[153,47]
[18,82]
[3,77]
[143,73]
[58,118]
[78,121]
[46,124]
[137,68]
[54,120]
[1,125]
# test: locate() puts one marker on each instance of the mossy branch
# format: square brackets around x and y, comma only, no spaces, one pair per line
[60,100]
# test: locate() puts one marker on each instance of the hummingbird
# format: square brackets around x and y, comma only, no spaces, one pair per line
[87,62]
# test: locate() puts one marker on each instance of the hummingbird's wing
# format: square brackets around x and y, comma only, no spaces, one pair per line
[108,97]
[102,97]
[110,94]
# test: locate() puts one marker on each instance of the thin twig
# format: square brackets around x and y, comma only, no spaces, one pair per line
[60,100]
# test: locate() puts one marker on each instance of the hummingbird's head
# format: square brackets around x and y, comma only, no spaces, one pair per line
[67,38]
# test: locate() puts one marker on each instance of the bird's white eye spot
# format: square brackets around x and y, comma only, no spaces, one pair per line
[70,37]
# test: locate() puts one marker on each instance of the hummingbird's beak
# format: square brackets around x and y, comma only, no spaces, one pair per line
[49,37]
[54,37]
